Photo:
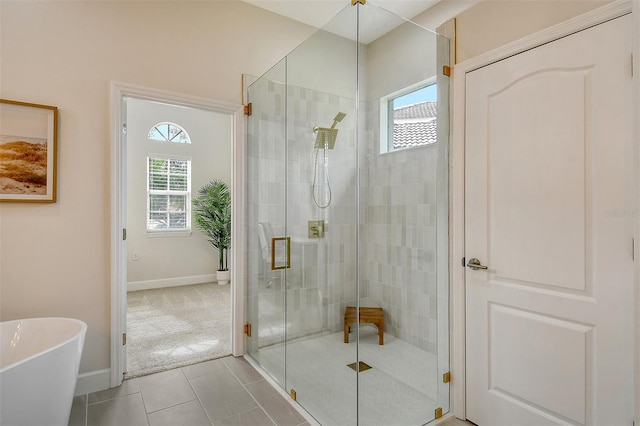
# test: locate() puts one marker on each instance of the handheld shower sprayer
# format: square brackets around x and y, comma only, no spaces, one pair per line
[325,139]
[338,118]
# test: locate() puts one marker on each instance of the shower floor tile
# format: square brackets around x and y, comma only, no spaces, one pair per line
[399,389]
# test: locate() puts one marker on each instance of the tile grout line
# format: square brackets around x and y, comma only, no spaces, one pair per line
[111,399]
[196,394]
[250,394]
[86,410]
[257,402]
[306,416]
[174,405]
[144,406]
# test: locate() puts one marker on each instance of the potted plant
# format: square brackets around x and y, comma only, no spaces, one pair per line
[212,210]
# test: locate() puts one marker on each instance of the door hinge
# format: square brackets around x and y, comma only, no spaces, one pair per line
[438,412]
[124,129]
[446,377]
[248,109]
[124,339]
[124,234]
[292,393]
[633,249]
[446,70]
[247,329]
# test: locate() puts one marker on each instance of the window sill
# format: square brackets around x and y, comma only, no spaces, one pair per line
[169,234]
[411,148]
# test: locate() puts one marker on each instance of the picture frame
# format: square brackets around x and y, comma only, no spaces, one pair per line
[28,152]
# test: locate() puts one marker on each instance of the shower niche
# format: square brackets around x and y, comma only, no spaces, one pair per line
[347,221]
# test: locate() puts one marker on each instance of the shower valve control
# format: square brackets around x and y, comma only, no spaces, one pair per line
[316,229]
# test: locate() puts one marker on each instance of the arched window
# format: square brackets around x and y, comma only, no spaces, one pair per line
[169,132]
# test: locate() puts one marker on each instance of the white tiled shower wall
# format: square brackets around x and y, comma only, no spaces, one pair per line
[334,282]
[399,228]
[398,218]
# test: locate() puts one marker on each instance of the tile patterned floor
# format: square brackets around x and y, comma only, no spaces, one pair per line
[226,391]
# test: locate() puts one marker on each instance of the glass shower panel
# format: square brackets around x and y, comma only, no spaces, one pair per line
[402,198]
[443,55]
[266,202]
[355,324]
[321,220]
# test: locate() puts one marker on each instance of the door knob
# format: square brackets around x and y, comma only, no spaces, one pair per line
[475,264]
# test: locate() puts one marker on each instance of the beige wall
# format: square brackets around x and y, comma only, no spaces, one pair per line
[390,69]
[494,23]
[54,258]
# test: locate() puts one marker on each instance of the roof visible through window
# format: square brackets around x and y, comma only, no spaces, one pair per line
[413,118]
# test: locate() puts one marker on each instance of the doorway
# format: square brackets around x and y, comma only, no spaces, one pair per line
[178,260]
[549,220]
[177,314]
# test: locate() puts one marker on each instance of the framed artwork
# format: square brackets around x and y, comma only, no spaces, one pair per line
[28,152]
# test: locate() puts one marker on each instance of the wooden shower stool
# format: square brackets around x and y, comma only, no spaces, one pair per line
[369,315]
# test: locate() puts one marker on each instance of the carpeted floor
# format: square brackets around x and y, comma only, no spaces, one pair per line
[177,326]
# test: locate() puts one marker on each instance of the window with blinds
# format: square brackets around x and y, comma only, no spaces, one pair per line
[169,194]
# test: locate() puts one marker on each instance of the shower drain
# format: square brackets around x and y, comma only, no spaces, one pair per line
[359,366]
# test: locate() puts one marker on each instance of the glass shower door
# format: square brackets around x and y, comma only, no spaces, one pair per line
[266,215]
[322,220]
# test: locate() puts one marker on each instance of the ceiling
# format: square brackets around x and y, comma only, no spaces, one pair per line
[319,12]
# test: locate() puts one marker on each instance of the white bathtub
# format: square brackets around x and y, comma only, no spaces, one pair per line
[39,361]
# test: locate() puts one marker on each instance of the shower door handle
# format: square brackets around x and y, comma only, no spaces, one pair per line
[287,257]
[475,264]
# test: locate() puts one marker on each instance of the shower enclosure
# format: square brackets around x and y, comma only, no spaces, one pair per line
[347,208]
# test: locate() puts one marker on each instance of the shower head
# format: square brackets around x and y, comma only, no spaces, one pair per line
[326,137]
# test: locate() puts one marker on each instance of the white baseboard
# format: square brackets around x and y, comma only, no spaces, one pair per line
[170,282]
[93,381]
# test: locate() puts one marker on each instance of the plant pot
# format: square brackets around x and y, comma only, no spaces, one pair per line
[223,277]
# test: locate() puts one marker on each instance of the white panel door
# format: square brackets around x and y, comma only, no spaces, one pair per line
[550,204]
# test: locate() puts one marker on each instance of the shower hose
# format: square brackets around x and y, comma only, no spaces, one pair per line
[326,175]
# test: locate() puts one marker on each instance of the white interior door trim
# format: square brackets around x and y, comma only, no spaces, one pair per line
[118,212]
[457,177]
[636,90]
